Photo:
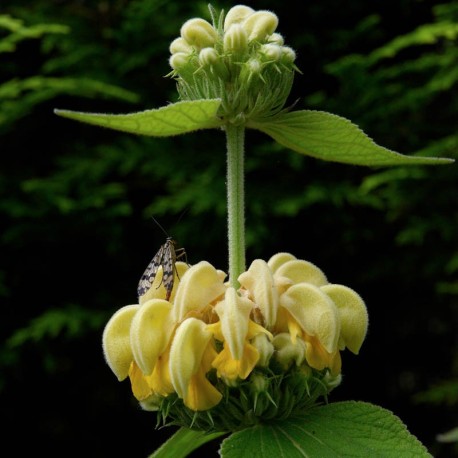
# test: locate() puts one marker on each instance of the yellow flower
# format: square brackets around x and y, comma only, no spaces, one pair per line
[140,340]
[285,322]
[235,329]
[294,296]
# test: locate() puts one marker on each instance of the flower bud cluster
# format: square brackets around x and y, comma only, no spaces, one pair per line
[270,348]
[240,59]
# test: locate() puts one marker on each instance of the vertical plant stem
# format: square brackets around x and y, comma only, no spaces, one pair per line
[235,141]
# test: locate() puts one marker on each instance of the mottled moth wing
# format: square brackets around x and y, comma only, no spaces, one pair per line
[166,257]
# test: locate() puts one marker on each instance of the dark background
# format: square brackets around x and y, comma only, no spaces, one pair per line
[76,204]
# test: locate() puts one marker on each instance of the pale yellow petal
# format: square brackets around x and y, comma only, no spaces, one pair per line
[259,282]
[315,312]
[278,260]
[150,332]
[353,316]
[116,341]
[186,354]
[201,285]
[299,271]
[234,313]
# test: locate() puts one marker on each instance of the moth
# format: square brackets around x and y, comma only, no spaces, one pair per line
[167,256]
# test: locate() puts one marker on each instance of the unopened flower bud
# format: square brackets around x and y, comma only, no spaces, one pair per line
[277,39]
[236,15]
[180,45]
[178,60]
[272,52]
[199,32]
[235,39]
[254,66]
[288,54]
[332,381]
[265,348]
[288,352]
[152,403]
[208,57]
[260,25]
[259,383]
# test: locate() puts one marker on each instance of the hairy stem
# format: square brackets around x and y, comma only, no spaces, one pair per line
[235,138]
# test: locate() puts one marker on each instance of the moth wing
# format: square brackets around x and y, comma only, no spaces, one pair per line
[149,275]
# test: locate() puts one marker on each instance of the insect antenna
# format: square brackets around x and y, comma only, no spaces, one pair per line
[160,227]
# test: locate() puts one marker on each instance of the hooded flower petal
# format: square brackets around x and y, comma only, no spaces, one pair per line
[238,357]
[191,351]
[236,15]
[150,332]
[353,316]
[258,280]
[198,32]
[279,259]
[234,314]
[315,312]
[116,341]
[299,271]
[260,25]
[201,285]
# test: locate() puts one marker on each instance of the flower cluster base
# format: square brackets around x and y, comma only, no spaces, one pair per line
[266,396]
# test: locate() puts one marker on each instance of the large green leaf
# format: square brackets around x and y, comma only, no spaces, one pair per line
[342,429]
[173,119]
[332,138]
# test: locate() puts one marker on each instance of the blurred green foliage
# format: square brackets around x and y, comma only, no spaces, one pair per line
[76,203]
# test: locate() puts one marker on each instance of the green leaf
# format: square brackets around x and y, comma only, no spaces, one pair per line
[342,429]
[183,442]
[173,119]
[332,138]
